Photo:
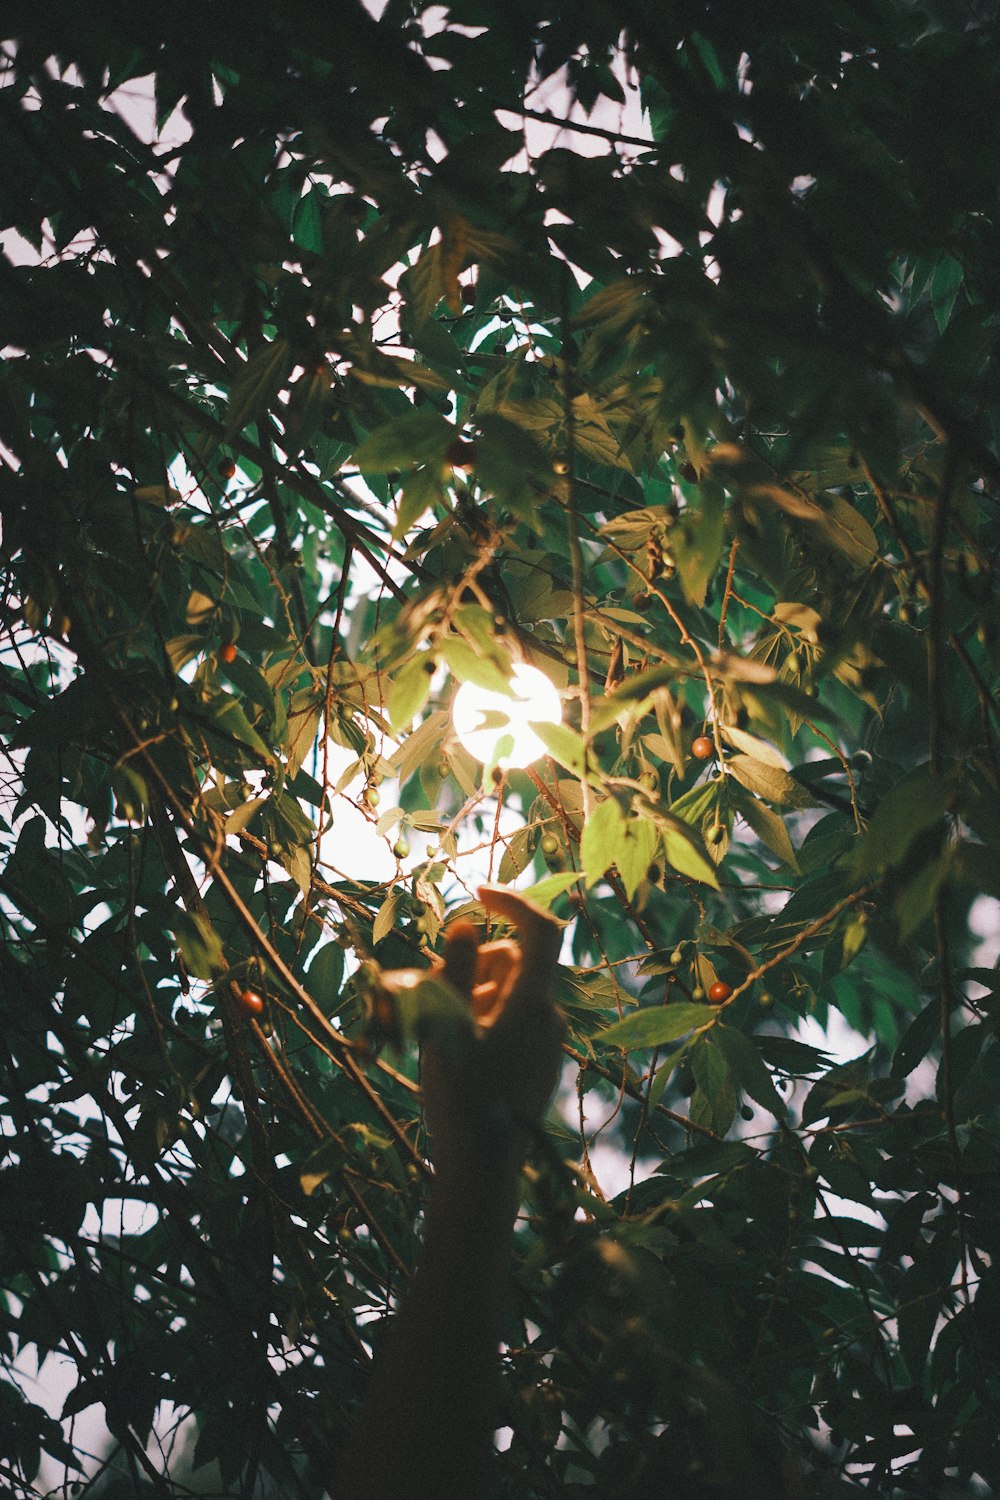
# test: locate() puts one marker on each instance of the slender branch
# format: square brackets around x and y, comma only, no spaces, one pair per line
[935,681]
[573,527]
[988,703]
[802,937]
[546,117]
[727,591]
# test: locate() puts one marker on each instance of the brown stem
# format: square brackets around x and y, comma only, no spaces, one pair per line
[802,937]
[728,591]
[575,550]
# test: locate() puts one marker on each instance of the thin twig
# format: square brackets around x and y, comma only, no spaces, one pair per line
[575,549]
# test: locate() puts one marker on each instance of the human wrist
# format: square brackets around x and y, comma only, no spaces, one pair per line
[481,1169]
[492,1140]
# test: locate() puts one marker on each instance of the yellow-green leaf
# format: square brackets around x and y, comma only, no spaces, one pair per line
[768,781]
[657,1024]
[602,838]
[409,690]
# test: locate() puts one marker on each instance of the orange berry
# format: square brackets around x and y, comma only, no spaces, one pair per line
[703,748]
[719,991]
[251,1002]
[227,652]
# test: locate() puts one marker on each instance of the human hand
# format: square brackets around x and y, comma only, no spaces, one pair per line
[485,1085]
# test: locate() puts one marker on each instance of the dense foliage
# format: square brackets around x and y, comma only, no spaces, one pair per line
[336,376]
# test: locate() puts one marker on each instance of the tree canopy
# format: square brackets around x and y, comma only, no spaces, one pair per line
[348,359]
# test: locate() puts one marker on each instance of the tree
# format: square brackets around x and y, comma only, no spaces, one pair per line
[345,381]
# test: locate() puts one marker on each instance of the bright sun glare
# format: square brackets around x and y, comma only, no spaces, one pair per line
[496,729]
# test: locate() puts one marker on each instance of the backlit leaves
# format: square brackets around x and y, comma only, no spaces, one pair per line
[361,377]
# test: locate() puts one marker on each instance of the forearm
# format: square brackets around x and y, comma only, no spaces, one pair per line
[427,1422]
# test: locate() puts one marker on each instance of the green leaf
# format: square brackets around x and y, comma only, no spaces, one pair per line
[916,803]
[184,648]
[850,532]
[419,746]
[636,852]
[297,861]
[241,817]
[517,854]
[325,974]
[696,543]
[695,805]
[602,839]
[417,437]
[469,665]
[200,609]
[387,915]
[946,283]
[435,343]
[565,746]
[917,1040]
[257,383]
[657,1024]
[631,695]
[200,944]
[387,820]
[769,827]
[423,284]
[666,1070]
[840,1086]
[769,781]
[422,490]
[229,718]
[631,530]
[510,461]
[714,1078]
[748,1069]
[408,690]
[750,745]
[685,851]
[325,1162]
[545,891]
[304,718]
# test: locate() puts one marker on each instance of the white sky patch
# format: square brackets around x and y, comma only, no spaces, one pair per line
[984,924]
[351,847]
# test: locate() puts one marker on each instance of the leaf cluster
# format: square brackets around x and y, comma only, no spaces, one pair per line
[340,370]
